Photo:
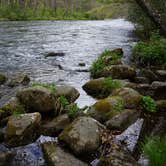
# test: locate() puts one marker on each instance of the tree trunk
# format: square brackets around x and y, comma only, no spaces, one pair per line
[158,17]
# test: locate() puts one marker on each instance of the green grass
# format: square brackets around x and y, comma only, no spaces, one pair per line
[155,150]
[64,102]
[50,86]
[152,52]
[119,106]
[105,59]
[72,110]
[148,104]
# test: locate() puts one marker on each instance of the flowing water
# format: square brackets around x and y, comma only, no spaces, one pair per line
[24,44]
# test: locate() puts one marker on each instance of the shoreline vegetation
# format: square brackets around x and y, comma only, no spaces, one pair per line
[98,10]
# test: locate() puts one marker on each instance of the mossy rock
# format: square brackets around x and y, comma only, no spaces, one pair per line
[82,136]
[12,107]
[131,97]
[118,72]
[2,78]
[107,108]
[102,87]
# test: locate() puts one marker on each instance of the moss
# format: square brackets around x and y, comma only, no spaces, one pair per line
[2,78]
[50,86]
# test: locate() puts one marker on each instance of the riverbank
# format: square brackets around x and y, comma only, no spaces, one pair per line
[99,11]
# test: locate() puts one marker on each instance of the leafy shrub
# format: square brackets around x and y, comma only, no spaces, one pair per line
[148,104]
[155,150]
[63,101]
[50,86]
[72,110]
[105,59]
[150,53]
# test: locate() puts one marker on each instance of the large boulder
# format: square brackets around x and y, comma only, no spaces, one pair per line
[123,120]
[2,78]
[102,87]
[55,126]
[22,129]
[18,79]
[118,72]
[82,135]
[130,97]
[158,90]
[37,99]
[105,109]
[56,156]
[117,157]
[67,91]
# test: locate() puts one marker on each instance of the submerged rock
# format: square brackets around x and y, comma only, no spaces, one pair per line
[56,156]
[54,54]
[118,72]
[22,129]
[82,135]
[131,98]
[123,120]
[37,99]
[69,92]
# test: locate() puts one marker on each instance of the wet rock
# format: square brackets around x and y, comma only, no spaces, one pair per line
[37,99]
[141,80]
[2,78]
[143,89]
[13,106]
[82,64]
[118,72]
[22,129]
[67,91]
[131,98]
[105,109]
[55,126]
[55,155]
[18,79]
[82,135]
[130,136]
[159,128]
[123,120]
[6,158]
[117,157]
[54,54]
[149,74]
[161,105]
[158,89]
[161,74]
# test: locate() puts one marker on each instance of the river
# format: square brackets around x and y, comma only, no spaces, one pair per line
[24,44]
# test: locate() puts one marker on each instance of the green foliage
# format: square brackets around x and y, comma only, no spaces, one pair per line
[105,59]
[109,83]
[63,101]
[14,110]
[155,150]
[119,106]
[148,104]
[72,110]
[152,52]
[50,86]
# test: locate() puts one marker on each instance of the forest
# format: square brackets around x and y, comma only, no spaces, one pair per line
[82,82]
